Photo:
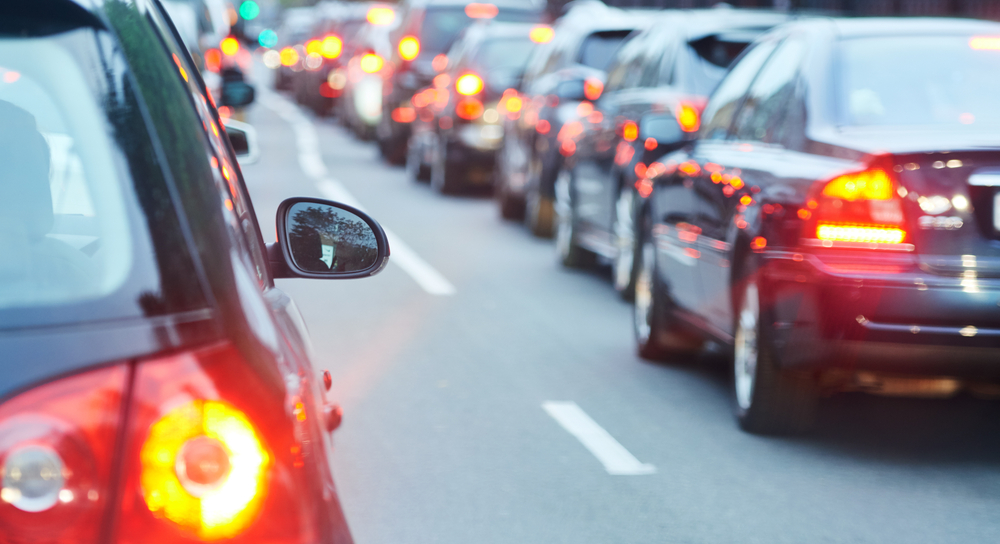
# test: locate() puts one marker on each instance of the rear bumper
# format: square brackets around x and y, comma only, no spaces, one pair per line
[907,322]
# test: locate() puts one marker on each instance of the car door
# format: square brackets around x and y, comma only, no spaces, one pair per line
[738,169]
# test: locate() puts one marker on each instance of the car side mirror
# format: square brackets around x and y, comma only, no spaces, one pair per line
[236,94]
[570,89]
[243,138]
[322,239]
[662,128]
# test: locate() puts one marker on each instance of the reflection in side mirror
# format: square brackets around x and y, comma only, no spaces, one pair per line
[324,239]
[662,127]
[243,137]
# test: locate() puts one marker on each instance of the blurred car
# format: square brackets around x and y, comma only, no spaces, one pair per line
[461,139]
[835,222]
[156,385]
[559,76]
[670,67]
[426,32]
[293,32]
[366,72]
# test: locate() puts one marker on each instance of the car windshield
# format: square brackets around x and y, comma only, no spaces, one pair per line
[63,229]
[934,80]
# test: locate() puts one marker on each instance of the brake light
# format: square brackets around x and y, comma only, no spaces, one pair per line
[630,131]
[57,453]
[481,11]
[331,47]
[370,63]
[213,60]
[230,46]
[313,47]
[592,88]
[984,42]
[381,15]
[404,115]
[209,457]
[858,207]
[468,84]
[688,117]
[469,109]
[439,63]
[409,47]
[289,56]
[541,34]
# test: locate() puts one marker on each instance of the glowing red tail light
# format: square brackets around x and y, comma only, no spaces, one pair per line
[370,63]
[858,207]
[57,453]
[331,47]
[409,47]
[468,84]
[469,109]
[211,457]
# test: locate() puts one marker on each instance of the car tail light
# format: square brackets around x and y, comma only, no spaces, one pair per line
[689,117]
[630,131]
[409,47]
[439,63]
[404,115]
[592,88]
[370,63]
[541,34]
[468,84]
[469,109]
[381,15]
[211,454]
[57,452]
[331,47]
[481,11]
[313,47]
[213,60]
[230,46]
[858,207]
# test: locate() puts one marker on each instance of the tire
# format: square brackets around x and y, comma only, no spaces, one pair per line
[570,253]
[623,267]
[416,169]
[445,177]
[511,207]
[658,333]
[769,399]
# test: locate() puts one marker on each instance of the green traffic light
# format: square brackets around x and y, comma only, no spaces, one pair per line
[249,10]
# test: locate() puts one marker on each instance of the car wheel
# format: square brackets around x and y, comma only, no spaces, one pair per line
[444,176]
[569,251]
[623,230]
[658,335]
[769,399]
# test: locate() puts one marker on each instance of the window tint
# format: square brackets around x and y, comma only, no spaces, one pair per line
[722,106]
[599,48]
[934,80]
[771,93]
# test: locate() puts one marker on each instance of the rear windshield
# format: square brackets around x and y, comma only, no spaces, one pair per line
[933,80]
[507,54]
[442,25]
[702,64]
[599,48]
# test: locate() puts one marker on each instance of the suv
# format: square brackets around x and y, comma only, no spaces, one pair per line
[419,43]
[155,382]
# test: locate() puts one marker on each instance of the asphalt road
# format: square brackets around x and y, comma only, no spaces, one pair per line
[445,438]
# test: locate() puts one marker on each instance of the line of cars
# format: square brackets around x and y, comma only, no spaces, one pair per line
[805,194]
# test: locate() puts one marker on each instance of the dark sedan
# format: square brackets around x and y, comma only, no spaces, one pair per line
[837,222]
[155,384]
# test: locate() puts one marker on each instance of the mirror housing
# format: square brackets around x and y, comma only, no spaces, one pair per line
[662,127]
[243,138]
[322,239]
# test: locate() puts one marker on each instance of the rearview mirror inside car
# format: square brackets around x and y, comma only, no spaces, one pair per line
[326,240]
[243,137]
[662,127]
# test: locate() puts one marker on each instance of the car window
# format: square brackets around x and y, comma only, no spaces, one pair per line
[651,69]
[722,106]
[960,90]
[625,70]
[598,49]
[86,217]
[771,92]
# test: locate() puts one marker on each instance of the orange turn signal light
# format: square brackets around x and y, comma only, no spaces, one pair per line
[688,117]
[630,131]
[867,185]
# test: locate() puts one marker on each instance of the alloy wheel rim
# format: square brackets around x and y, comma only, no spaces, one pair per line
[643,304]
[745,357]
[624,240]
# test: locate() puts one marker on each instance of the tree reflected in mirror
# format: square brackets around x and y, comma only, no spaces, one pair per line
[324,239]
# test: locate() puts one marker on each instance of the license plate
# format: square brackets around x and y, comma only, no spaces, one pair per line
[996,211]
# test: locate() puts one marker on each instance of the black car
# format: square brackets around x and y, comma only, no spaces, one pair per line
[420,42]
[671,67]
[836,222]
[156,385]
[485,65]
[559,76]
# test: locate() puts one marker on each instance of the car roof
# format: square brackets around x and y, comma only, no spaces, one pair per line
[881,26]
[527,5]
[698,23]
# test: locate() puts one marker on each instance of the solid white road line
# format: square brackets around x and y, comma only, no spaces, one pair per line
[616,459]
[311,162]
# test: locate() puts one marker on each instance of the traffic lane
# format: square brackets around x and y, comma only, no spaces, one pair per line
[447,440]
